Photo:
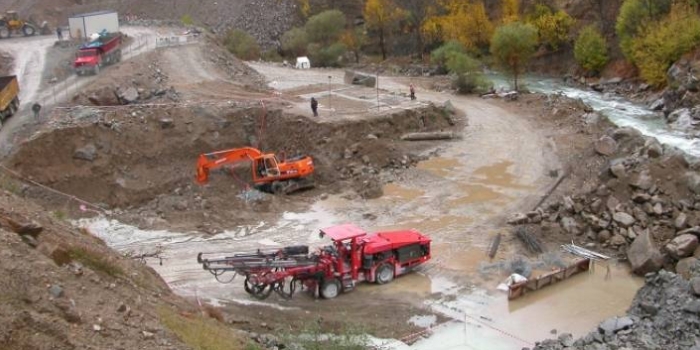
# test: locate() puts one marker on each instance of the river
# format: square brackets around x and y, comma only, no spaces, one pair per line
[619,110]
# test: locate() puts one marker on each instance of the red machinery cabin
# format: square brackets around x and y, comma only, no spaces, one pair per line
[378,257]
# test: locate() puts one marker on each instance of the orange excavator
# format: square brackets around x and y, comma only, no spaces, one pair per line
[270,173]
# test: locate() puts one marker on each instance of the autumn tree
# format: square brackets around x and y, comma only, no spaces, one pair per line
[661,43]
[382,16]
[552,27]
[510,11]
[590,49]
[634,16]
[353,39]
[512,46]
[417,13]
[463,21]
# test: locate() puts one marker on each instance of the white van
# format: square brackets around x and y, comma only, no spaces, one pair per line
[303,63]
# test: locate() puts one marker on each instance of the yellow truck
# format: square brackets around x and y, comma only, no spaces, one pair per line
[9,97]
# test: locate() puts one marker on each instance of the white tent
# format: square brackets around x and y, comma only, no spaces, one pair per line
[303,63]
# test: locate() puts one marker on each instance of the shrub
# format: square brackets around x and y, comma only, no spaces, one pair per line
[201,333]
[326,27]
[294,42]
[662,43]
[635,14]
[326,56]
[590,50]
[96,261]
[242,44]
[468,77]
[440,55]
[186,20]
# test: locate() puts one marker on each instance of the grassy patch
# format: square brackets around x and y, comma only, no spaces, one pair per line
[343,337]
[95,260]
[202,333]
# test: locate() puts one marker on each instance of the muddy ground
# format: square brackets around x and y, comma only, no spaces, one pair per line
[127,170]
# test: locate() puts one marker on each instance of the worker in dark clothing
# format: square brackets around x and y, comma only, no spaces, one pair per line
[413,92]
[36,108]
[59,33]
[314,106]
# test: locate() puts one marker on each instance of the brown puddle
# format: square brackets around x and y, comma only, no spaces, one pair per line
[477,194]
[497,174]
[439,166]
[427,225]
[456,257]
[414,283]
[394,191]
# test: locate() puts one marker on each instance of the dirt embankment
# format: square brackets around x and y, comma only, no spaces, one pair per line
[63,288]
[143,160]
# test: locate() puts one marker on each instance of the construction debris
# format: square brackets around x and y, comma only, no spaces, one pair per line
[531,242]
[428,136]
[519,289]
[583,252]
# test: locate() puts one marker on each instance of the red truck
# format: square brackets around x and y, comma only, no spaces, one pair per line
[105,50]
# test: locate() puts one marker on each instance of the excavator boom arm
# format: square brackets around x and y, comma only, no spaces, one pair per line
[214,160]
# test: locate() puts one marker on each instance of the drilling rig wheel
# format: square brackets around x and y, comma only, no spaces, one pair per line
[330,288]
[384,273]
[258,291]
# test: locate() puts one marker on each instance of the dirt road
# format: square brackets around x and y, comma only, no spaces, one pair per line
[30,55]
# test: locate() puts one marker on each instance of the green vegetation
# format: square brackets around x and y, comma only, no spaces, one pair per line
[326,56]
[635,14]
[590,50]
[453,58]
[294,42]
[512,46]
[96,261]
[313,337]
[662,43]
[326,27]
[552,27]
[186,20]
[202,333]
[242,44]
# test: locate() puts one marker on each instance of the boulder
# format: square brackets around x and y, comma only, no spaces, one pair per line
[625,132]
[104,96]
[643,255]
[603,236]
[356,78]
[517,219]
[129,95]
[606,146]
[681,221]
[695,285]
[87,152]
[615,324]
[682,246]
[624,219]
[165,123]
[657,105]
[686,267]
[617,240]
[692,180]
[617,168]
[654,148]
[569,225]
[642,181]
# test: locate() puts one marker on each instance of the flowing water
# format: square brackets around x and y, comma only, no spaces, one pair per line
[616,108]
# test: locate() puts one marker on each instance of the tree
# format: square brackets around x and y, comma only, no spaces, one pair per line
[294,42]
[242,44]
[510,11]
[660,44]
[326,27]
[462,21]
[512,47]
[353,39]
[382,16]
[634,15]
[326,56]
[591,50]
[552,27]
[441,55]
[468,76]
[418,12]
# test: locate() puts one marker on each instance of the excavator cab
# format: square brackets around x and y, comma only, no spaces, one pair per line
[266,166]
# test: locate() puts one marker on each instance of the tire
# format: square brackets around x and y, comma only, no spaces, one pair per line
[277,187]
[4,32]
[28,30]
[384,273]
[330,288]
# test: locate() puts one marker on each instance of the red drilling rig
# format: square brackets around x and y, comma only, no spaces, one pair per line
[354,256]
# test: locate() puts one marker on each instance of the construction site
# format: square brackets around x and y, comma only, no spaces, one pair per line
[168,179]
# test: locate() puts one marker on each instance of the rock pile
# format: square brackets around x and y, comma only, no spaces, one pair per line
[665,314]
[645,203]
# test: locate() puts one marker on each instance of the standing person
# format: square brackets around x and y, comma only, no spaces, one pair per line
[59,33]
[314,106]
[413,91]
